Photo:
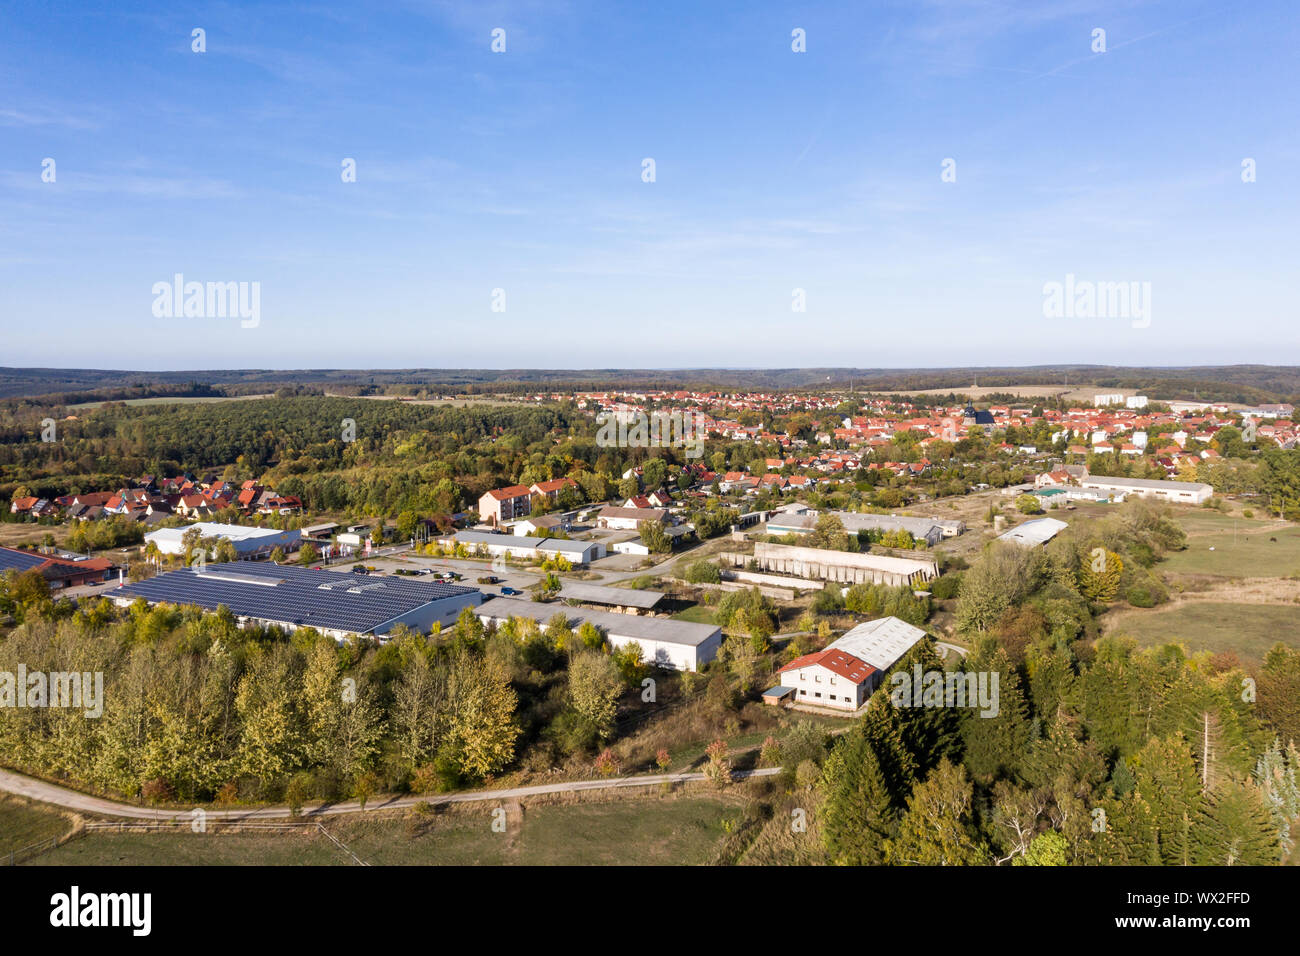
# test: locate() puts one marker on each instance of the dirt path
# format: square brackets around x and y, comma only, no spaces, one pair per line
[45,792]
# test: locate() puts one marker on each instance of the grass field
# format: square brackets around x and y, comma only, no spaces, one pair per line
[23,823]
[699,614]
[172,400]
[1242,547]
[633,830]
[1248,630]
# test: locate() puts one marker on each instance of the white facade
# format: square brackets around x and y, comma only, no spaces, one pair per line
[821,687]
[1178,492]
[247,540]
[664,642]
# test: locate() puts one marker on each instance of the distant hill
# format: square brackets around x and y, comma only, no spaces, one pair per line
[1238,383]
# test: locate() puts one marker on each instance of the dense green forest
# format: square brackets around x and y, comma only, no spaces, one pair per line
[1245,383]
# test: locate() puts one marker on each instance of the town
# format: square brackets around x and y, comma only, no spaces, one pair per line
[622,605]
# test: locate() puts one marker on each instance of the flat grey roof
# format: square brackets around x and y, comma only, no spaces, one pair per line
[603,594]
[522,542]
[661,629]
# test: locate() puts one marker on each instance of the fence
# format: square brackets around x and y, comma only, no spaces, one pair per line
[14,857]
[123,827]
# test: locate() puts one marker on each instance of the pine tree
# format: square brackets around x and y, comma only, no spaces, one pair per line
[995,745]
[1167,780]
[881,727]
[1235,828]
[1275,775]
[858,816]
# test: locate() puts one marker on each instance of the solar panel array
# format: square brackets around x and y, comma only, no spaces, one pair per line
[14,560]
[299,596]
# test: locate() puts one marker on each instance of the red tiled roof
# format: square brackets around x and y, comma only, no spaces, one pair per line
[837,662]
[514,491]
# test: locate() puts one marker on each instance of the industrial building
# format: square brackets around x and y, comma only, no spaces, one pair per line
[1178,492]
[841,567]
[248,541]
[340,605]
[526,548]
[59,569]
[681,645]
[929,530]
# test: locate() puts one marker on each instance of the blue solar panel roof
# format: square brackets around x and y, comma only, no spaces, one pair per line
[13,560]
[298,596]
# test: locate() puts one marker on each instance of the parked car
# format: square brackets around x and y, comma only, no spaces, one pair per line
[489,579]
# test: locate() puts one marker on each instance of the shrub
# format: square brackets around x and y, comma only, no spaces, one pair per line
[1140,596]
[702,572]
[945,587]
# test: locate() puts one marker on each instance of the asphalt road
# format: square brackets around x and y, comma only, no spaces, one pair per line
[84,803]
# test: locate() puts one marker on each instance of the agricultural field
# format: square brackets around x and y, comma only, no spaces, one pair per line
[633,830]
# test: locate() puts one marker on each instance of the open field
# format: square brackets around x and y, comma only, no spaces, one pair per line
[171,400]
[1241,547]
[976,394]
[14,533]
[645,830]
[1247,630]
[23,823]
[460,400]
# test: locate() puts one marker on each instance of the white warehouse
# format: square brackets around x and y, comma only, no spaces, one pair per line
[248,541]
[681,645]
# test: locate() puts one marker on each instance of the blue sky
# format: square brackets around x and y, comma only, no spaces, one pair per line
[775,171]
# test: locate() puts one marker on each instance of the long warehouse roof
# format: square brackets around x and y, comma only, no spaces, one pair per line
[299,596]
[633,626]
[602,594]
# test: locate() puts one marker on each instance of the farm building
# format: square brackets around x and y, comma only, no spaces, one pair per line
[849,669]
[929,530]
[627,600]
[1033,533]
